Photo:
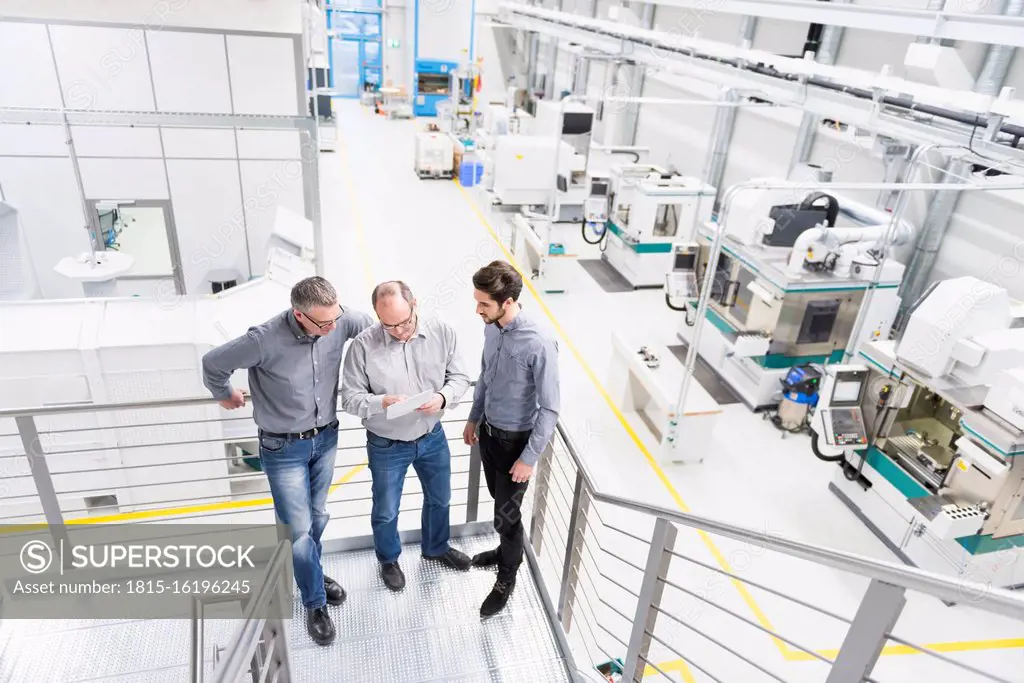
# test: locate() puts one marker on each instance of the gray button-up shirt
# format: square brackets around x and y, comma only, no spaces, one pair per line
[293,376]
[518,386]
[377,364]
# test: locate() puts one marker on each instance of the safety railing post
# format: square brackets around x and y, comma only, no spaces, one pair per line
[540,498]
[651,590]
[473,494]
[573,552]
[44,484]
[868,633]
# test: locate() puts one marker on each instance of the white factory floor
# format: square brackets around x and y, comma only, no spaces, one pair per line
[382,222]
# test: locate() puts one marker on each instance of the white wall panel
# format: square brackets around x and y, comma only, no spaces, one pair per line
[780,37]
[395,58]
[102,68]
[676,134]
[190,72]
[267,185]
[761,146]
[27,76]
[691,21]
[44,192]
[986,240]
[239,15]
[270,144]
[209,218]
[263,75]
[199,143]
[123,178]
[34,140]
[444,28]
[97,141]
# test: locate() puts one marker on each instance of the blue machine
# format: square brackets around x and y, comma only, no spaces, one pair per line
[431,84]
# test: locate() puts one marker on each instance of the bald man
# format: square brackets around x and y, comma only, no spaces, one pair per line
[400,356]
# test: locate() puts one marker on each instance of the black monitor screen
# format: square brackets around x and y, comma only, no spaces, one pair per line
[599,189]
[577,123]
[685,261]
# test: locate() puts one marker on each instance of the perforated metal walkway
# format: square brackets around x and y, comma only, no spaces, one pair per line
[431,631]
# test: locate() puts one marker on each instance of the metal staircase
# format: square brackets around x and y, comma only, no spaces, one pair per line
[610,583]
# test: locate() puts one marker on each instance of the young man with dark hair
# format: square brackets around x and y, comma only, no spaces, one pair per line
[294,364]
[515,409]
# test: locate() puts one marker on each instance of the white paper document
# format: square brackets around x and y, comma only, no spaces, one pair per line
[408,405]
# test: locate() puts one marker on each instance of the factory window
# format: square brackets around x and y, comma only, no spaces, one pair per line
[666,220]
[819,319]
[433,84]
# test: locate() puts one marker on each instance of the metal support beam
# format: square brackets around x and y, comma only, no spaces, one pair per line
[868,633]
[651,590]
[40,469]
[630,121]
[679,60]
[952,25]
[721,137]
[540,499]
[573,552]
[473,490]
[943,204]
[828,50]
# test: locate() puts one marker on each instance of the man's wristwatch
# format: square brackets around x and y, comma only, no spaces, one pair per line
[444,401]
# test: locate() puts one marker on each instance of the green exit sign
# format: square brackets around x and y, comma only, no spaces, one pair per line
[394,43]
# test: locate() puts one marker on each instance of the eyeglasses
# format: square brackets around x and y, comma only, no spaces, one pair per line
[405,323]
[321,325]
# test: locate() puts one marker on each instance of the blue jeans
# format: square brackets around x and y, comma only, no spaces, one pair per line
[389,463]
[300,473]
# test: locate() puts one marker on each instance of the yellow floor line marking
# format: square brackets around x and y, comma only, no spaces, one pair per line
[677,665]
[790,654]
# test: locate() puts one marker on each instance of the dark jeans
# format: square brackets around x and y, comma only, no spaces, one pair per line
[389,463]
[497,457]
[300,472]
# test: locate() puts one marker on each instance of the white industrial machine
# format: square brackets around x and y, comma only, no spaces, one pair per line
[788,286]
[435,154]
[652,211]
[929,434]
[524,166]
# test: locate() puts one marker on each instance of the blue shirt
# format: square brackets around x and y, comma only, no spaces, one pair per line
[518,386]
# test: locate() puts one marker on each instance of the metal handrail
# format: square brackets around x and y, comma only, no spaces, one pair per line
[937,585]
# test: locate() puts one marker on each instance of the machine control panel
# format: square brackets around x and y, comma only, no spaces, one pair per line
[682,279]
[845,427]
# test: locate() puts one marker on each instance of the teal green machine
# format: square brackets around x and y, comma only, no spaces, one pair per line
[928,436]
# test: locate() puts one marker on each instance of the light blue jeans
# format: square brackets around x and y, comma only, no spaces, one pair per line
[300,473]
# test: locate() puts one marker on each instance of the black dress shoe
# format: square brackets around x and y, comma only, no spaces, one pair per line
[456,559]
[335,593]
[498,598]
[393,576]
[320,626]
[488,558]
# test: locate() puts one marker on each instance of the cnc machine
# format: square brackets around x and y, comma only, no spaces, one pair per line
[789,284]
[928,434]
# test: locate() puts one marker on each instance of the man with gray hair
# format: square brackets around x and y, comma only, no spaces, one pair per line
[402,356]
[294,364]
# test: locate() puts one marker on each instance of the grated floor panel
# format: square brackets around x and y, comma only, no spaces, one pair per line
[431,631]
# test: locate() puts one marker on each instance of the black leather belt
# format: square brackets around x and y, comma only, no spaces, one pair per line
[308,434]
[504,433]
